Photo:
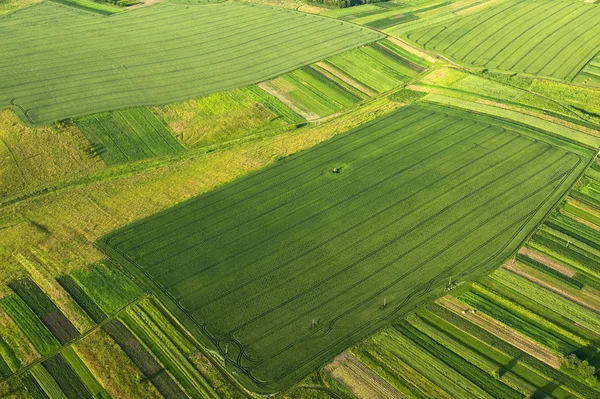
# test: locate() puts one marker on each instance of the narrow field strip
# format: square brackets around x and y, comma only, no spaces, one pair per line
[157,54]
[288,266]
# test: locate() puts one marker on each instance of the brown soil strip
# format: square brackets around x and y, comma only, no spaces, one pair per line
[278,94]
[552,264]
[359,379]
[593,306]
[502,331]
[411,49]
[346,79]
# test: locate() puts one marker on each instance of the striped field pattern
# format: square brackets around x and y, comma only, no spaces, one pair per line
[541,37]
[286,267]
[153,55]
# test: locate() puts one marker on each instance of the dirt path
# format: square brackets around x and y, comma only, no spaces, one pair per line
[359,379]
[552,264]
[502,331]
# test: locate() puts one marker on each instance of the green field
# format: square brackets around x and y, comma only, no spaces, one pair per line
[541,37]
[226,116]
[389,210]
[153,55]
[313,94]
[378,67]
[128,135]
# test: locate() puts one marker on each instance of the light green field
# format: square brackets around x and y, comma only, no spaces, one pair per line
[311,93]
[388,210]
[153,55]
[541,37]
[374,66]
[225,116]
[571,134]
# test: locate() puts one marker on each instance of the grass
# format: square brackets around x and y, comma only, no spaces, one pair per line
[9,362]
[109,199]
[82,298]
[33,157]
[66,378]
[84,374]
[483,187]
[556,302]
[548,38]
[226,116]
[30,324]
[548,127]
[159,341]
[143,359]
[112,368]
[485,340]
[47,383]
[91,6]
[107,286]
[127,135]
[45,310]
[310,92]
[374,66]
[517,322]
[155,55]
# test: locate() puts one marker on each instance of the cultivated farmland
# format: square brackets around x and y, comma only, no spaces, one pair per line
[284,268]
[127,135]
[153,55]
[548,38]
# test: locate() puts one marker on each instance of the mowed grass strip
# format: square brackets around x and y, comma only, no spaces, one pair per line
[549,38]
[154,55]
[290,265]
[128,135]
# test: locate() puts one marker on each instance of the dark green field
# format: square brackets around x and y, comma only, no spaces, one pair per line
[420,195]
[128,135]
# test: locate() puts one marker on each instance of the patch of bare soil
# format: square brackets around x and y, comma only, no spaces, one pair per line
[501,331]
[359,379]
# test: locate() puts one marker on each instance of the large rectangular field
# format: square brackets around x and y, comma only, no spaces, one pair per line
[541,37]
[283,269]
[153,55]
